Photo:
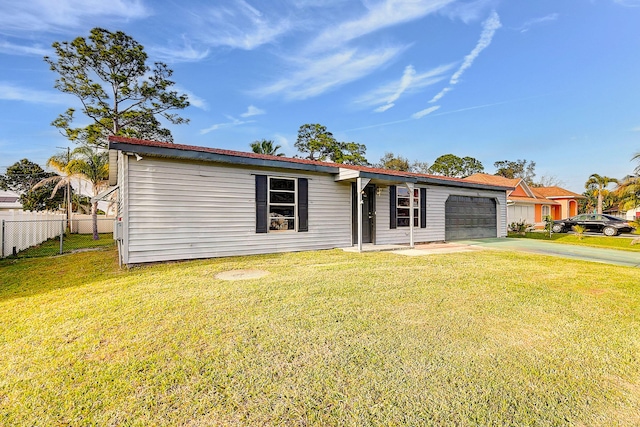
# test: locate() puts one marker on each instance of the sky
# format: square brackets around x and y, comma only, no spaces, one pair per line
[554,82]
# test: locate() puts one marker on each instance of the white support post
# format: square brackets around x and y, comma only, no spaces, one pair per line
[360,185]
[410,187]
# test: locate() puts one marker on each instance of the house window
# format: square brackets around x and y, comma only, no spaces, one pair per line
[546,211]
[282,204]
[403,207]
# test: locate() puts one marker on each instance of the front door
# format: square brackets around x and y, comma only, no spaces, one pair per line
[368,213]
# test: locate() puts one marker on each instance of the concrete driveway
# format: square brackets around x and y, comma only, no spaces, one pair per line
[607,256]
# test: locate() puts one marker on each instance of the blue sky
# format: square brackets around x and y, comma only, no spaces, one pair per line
[555,82]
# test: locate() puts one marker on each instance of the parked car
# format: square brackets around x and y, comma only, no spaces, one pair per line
[606,224]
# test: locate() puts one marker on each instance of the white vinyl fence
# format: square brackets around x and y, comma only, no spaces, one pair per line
[83,224]
[36,228]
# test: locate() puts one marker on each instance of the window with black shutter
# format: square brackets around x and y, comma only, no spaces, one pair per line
[281,204]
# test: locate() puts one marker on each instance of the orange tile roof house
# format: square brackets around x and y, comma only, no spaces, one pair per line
[185,202]
[532,204]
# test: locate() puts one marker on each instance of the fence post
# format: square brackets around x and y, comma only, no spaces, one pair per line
[2,256]
[61,235]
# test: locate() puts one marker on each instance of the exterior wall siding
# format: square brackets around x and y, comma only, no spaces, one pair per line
[185,210]
[435,230]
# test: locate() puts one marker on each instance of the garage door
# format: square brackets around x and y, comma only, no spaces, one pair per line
[470,218]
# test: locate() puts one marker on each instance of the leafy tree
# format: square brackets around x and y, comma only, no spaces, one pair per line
[86,163]
[518,169]
[454,166]
[21,177]
[547,181]
[119,93]
[471,166]
[318,143]
[265,146]
[420,167]
[390,161]
[598,186]
[628,193]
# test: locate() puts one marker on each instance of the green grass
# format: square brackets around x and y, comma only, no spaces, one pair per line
[623,243]
[70,242]
[327,338]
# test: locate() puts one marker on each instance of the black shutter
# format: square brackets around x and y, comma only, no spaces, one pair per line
[303,204]
[261,203]
[392,207]
[423,208]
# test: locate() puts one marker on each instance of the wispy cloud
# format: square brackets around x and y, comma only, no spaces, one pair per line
[16,49]
[636,129]
[538,21]
[252,111]
[410,82]
[194,99]
[440,94]
[405,81]
[282,141]
[12,92]
[489,27]
[425,112]
[59,15]
[475,107]
[231,123]
[187,52]
[318,75]
[469,11]
[240,26]
[379,15]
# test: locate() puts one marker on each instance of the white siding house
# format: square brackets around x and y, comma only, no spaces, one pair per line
[180,202]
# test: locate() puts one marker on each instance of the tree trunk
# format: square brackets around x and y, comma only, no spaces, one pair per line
[94,219]
[599,209]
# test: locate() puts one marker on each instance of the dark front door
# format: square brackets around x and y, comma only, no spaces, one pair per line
[368,212]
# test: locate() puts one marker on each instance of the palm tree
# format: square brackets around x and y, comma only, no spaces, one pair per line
[598,184]
[266,146]
[628,192]
[85,163]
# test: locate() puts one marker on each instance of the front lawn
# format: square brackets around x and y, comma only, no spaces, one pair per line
[326,338]
[623,243]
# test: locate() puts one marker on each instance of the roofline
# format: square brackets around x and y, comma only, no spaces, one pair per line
[187,152]
[577,196]
[180,153]
[534,202]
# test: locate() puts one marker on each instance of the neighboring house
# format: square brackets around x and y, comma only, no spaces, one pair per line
[185,202]
[633,214]
[532,204]
[9,200]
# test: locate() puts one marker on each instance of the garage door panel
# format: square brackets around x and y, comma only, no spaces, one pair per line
[469,217]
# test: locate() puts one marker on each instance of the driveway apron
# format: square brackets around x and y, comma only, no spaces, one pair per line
[607,256]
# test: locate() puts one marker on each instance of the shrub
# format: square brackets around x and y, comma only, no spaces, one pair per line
[579,230]
[519,227]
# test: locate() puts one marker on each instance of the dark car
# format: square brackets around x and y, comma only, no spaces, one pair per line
[606,224]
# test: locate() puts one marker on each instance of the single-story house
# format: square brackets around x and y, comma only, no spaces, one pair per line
[9,201]
[180,202]
[633,214]
[532,204]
